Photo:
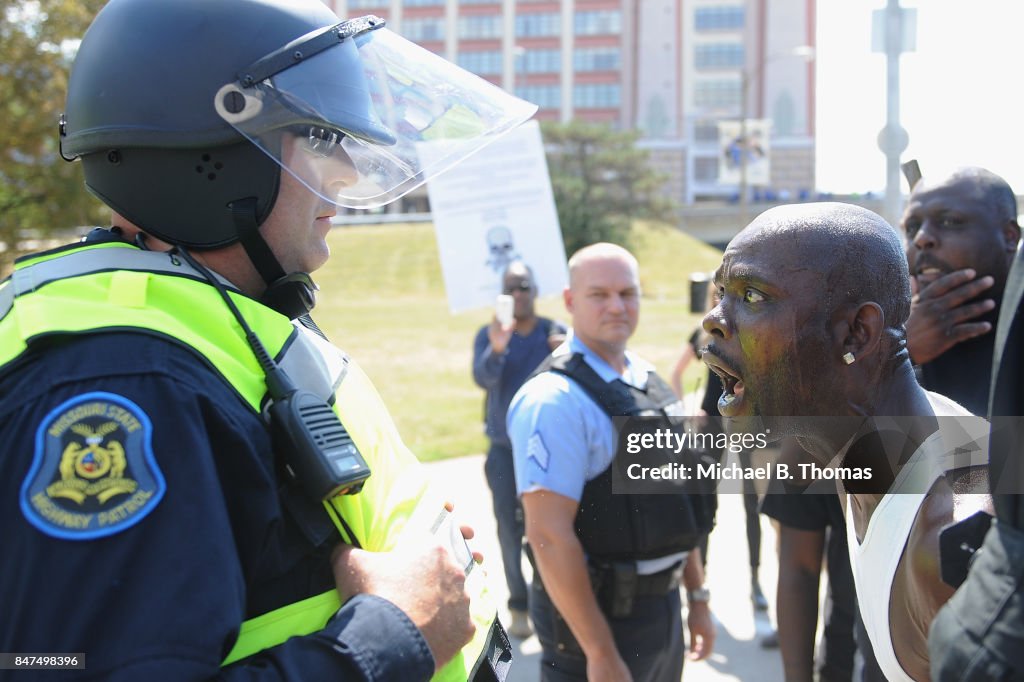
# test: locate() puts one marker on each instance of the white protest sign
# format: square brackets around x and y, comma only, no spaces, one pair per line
[493,208]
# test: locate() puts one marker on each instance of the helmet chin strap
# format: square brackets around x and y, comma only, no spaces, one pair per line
[292,294]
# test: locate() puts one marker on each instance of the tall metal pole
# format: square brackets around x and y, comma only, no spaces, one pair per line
[894,137]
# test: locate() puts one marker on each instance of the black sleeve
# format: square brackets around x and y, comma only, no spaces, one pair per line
[694,339]
[164,597]
[487,365]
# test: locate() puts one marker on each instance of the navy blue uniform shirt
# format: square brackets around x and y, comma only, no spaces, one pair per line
[163,599]
[502,375]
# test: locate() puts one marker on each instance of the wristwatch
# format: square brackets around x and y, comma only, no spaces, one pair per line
[701,594]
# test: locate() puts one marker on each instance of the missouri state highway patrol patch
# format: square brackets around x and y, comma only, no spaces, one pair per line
[93,473]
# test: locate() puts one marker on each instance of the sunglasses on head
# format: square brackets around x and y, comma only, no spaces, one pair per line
[522,286]
[318,140]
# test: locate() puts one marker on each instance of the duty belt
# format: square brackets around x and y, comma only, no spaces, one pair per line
[617,584]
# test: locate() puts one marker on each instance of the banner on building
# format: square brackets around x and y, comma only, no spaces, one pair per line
[493,208]
[750,147]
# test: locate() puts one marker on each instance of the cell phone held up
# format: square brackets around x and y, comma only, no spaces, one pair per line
[504,309]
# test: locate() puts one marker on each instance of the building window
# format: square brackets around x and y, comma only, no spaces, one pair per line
[544,96]
[705,131]
[705,168]
[420,30]
[608,22]
[596,59]
[597,96]
[540,61]
[533,25]
[481,63]
[717,94]
[368,4]
[719,56]
[478,2]
[477,27]
[420,3]
[719,17]
[784,115]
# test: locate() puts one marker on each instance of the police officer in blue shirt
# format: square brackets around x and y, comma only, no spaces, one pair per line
[564,443]
[197,485]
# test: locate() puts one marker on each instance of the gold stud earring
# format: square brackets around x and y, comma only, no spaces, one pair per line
[849,358]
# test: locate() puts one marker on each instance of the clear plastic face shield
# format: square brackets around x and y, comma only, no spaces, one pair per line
[362,116]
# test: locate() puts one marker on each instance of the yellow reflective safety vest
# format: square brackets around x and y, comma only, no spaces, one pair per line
[114,285]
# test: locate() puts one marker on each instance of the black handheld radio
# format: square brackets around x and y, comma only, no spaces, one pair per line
[317,448]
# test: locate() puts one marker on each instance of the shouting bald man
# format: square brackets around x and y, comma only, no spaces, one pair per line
[810,337]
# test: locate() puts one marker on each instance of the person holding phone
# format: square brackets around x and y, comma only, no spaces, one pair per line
[504,355]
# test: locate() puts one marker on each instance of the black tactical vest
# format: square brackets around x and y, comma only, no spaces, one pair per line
[620,527]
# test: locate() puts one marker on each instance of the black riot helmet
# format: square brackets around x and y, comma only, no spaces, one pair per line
[178,110]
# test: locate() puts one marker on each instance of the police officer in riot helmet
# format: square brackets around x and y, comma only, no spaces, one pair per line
[173,512]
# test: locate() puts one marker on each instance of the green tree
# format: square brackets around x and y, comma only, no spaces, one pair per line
[40,194]
[602,182]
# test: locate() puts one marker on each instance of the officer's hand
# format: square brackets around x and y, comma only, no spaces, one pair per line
[939,317]
[702,631]
[607,667]
[499,336]
[422,581]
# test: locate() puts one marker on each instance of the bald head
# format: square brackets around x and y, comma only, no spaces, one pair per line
[602,251]
[802,289]
[603,298]
[517,267]
[858,253]
[518,282]
[979,184]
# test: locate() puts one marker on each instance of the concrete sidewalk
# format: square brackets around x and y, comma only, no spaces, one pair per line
[737,654]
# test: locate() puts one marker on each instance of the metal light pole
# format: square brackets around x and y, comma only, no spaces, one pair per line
[894,29]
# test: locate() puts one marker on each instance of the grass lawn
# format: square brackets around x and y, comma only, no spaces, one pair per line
[382,300]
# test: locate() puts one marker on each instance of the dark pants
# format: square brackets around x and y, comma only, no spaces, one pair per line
[979,633]
[866,667]
[753,516]
[753,525]
[837,648]
[508,513]
[649,640]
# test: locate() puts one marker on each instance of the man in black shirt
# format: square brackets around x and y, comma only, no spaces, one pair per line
[961,234]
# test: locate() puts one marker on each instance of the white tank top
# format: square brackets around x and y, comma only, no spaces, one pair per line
[959,443]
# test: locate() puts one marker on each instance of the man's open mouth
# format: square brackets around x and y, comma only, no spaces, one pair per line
[926,270]
[929,274]
[732,384]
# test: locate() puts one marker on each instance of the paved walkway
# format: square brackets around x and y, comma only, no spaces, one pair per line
[737,654]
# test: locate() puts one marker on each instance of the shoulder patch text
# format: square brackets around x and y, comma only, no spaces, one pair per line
[93,473]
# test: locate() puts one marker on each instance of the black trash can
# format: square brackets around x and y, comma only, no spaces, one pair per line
[699,283]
